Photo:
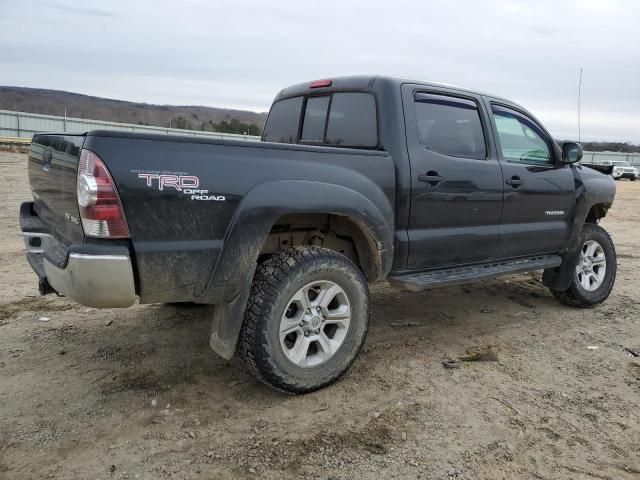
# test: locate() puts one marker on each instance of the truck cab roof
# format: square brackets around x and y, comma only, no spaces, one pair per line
[368,82]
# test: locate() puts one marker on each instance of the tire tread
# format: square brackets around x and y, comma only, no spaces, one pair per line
[574,296]
[267,283]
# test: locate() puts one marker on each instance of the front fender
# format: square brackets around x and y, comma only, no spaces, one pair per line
[592,188]
[264,204]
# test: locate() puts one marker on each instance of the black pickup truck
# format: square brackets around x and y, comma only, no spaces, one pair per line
[356,180]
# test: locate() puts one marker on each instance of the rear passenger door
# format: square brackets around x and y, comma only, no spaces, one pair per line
[456,185]
[539,190]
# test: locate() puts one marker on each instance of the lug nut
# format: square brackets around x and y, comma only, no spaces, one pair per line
[317,309]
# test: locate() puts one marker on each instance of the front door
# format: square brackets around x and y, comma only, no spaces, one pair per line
[456,185]
[539,190]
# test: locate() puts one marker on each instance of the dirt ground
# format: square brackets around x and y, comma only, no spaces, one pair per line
[137,393]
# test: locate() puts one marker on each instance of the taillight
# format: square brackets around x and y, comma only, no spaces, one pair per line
[100,207]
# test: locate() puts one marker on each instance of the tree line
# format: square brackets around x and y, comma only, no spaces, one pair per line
[622,147]
[232,126]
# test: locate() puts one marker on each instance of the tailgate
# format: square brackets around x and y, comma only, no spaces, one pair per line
[53,166]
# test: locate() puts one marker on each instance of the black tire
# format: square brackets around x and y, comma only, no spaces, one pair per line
[578,296]
[276,280]
[633,179]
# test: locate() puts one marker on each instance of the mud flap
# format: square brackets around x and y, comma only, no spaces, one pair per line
[227,321]
[559,278]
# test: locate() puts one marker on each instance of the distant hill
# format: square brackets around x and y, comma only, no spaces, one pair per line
[53,102]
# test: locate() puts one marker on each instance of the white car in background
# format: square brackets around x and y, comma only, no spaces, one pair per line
[623,169]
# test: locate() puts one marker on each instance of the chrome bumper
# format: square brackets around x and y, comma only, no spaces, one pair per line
[100,281]
[98,276]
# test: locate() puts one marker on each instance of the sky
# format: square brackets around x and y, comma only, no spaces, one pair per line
[239,54]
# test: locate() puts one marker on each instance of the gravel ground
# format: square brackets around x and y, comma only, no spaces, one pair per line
[136,393]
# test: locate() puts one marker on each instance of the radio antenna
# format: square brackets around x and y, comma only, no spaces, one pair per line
[579,98]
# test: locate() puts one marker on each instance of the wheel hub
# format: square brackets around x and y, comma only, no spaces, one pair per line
[591,268]
[311,323]
[315,323]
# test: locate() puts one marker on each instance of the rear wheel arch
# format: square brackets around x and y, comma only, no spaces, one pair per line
[338,232]
[370,225]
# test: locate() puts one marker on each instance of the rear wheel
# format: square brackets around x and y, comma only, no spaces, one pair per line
[595,271]
[306,320]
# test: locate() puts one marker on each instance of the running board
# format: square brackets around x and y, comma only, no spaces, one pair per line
[470,273]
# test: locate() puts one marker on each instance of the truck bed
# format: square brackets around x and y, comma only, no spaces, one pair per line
[183,195]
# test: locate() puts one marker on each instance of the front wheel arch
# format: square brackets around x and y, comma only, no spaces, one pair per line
[597,212]
[574,294]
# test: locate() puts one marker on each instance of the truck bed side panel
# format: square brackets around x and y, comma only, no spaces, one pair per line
[177,236]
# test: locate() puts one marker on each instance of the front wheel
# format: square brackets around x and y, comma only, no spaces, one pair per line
[595,272]
[306,320]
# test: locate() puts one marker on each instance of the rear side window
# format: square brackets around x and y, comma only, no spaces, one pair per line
[352,120]
[450,126]
[345,119]
[282,124]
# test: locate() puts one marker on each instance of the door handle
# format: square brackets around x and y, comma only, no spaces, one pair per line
[432,178]
[514,181]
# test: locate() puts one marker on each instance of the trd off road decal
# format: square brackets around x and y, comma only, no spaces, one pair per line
[179,181]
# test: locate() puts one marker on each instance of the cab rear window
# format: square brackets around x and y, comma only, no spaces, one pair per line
[282,124]
[345,119]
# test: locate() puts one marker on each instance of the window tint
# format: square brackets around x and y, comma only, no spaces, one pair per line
[352,120]
[282,124]
[315,117]
[521,140]
[450,126]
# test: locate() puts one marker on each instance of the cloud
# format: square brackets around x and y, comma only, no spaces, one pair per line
[83,10]
[240,54]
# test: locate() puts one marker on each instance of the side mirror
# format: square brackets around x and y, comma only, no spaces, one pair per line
[571,152]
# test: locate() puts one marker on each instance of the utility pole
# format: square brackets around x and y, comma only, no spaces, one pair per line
[65,119]
[579,99]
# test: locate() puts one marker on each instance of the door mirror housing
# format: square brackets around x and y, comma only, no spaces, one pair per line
[571,152]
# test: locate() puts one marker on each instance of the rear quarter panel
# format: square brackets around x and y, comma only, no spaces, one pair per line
[178,239]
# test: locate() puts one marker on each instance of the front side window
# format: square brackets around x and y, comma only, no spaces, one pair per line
[520,139]
[450,125]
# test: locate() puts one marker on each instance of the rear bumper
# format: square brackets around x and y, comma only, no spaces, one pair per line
[94,276]
[101,281]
